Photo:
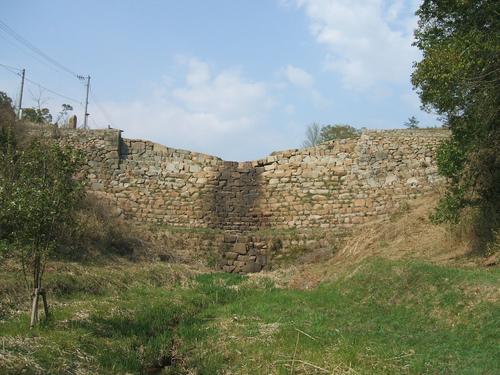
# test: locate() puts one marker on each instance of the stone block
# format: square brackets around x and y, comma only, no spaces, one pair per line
[252,267]
[228,268]
[359,202]
[240,248]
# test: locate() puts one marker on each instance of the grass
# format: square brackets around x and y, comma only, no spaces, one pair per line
[379,316]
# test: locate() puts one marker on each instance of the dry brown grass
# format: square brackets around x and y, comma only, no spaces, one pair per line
[408,235]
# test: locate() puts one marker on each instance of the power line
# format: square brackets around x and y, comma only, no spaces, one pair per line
[11,69]
[9,31]
[29,52]
[54,92]
[5,28]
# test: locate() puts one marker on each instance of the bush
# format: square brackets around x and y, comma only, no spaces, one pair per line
[457,80]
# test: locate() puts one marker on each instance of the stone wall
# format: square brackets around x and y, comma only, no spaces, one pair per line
[333,186]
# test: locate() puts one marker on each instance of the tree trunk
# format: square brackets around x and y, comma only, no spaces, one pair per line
[34,309]
[45,304]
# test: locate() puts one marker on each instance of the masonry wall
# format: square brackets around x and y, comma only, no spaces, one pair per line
[333,186]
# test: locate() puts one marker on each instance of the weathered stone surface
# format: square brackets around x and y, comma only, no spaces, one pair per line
[240,248]
[335,185]
[231,255]
[252,267]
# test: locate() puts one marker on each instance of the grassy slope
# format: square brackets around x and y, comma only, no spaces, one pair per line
[400,297]
[382,316]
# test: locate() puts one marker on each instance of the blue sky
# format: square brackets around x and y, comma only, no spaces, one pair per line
[233,78]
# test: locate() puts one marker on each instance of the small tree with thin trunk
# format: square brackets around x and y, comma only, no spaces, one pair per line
[412,123]
[313,135]
[39,195]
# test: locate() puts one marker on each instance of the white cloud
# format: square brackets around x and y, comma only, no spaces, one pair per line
[367,41]
[305,81]
[299,77]
[227,94]
[199,72]
[212,112]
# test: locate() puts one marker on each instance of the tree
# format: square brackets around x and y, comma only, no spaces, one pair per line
[7,114]
[338,131]
[5,101]
[412,123]
[457,78]
[37,115]
[313,135]
[38,196]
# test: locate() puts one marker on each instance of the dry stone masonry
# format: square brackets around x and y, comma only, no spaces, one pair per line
[331,187]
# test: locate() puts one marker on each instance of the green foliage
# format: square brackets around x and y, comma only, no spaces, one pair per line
[458,79]
[338,131]
[38,197]
[37,115]
[378,317]
[450,159]
[449,206]
[315,133]
[46,192]
[412,123]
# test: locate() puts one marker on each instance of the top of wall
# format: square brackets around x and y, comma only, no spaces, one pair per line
[431,133]
[115,134]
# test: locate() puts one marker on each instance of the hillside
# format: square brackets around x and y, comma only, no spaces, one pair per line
[398,297]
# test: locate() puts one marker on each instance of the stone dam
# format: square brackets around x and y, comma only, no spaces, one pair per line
[251,211]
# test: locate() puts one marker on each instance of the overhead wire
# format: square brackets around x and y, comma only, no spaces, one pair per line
[16,72]
[7,29]
[10,67]
[54,92]
[46,58]
[29,53]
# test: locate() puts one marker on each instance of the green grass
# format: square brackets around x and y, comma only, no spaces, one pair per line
[380,317]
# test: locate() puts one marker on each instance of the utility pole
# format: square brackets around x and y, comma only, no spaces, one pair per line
[86,114]
[20,106]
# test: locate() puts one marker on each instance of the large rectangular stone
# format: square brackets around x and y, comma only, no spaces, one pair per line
[240,248]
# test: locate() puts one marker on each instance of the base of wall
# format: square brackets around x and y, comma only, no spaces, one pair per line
[247,252]
[272,248]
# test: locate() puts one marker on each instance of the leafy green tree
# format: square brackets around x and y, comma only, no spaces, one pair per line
[313,135]
[38,196]
[37,115]
[412,123]
[338,131]
[458,78]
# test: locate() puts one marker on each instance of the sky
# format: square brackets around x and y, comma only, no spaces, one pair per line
[233,78]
